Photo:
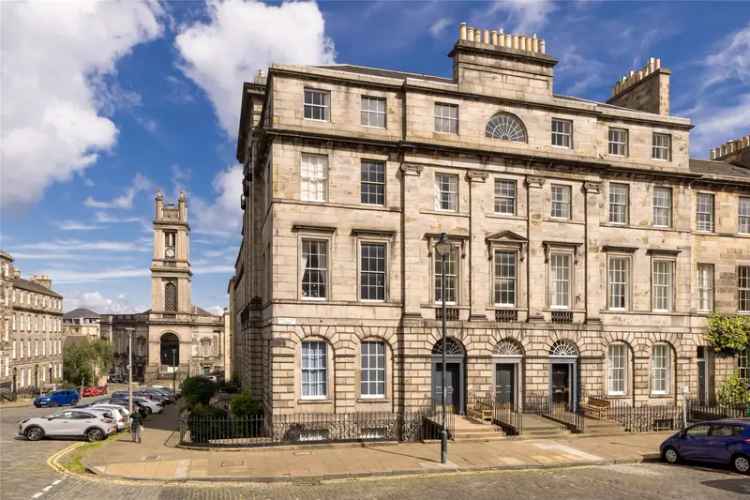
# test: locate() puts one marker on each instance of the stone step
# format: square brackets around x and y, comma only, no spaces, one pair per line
[464,436]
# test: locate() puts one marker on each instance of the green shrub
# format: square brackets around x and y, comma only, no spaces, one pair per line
[728,333]
[242,406]
[230,387]
[198,391]
[734,391]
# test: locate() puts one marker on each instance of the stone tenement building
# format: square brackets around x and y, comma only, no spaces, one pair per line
[81,323]
[174,335]
[588,249]
[31,321]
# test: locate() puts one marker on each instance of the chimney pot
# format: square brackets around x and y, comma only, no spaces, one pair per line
[470,34]
[493,37]
[515,41]
[462,31]
[486,37]
[542,47]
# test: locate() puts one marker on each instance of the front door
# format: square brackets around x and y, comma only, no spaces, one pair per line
[561,375]
[453,386]
[505,385]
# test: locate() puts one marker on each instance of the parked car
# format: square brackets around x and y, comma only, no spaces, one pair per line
[63,397]
[725,441]
[113,413]
[152,406]
[123,403]
[94,426]
[163,396]
[116,379]
[94,391]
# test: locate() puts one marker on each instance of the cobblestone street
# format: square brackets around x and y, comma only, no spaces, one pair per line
[26,475]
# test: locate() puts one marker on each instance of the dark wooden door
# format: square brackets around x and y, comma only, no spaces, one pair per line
[505,385]
[560,383]
[453,385]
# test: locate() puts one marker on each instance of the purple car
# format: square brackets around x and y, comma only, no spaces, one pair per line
[725,442]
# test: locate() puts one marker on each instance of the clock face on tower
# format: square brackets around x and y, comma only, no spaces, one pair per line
[169,252]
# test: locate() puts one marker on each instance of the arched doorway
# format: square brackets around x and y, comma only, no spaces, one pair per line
[563,380]
[508,357]
[454,377]
[170,351]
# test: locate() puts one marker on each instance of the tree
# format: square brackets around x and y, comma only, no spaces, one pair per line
[198,391]
[84,360]
[728,333]
[734,391]
[242,406]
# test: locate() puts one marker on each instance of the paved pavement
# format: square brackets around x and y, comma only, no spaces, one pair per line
[617,482]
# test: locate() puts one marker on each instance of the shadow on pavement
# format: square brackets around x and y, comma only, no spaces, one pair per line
[738,485]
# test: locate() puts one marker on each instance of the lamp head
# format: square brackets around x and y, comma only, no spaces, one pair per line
[443,246]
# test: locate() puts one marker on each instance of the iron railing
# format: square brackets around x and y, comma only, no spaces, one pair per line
[451,313]
[506,315]
[562,316]
[562,413]
[269,430]
[645,417]
[500,414]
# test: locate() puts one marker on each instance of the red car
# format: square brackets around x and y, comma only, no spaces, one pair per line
[94,391]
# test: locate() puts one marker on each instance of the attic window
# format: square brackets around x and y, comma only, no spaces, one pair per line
[506,127]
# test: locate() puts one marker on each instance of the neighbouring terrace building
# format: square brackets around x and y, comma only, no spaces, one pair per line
[32,330]
[175,338]
[81,323]
[588,248]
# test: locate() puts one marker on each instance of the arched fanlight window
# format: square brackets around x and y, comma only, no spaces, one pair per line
[506,127]
[452,347]
[508,347]
[563,348]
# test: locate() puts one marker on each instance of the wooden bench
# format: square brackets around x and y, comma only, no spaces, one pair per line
[482,410]
[596,408]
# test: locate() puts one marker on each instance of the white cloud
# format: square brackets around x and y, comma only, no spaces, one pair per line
[55,56]
[437,28]
[223,216]
[72,225]
[731,60]
[68,276]
[524,16]
[101,304]
[242,37]
[216,310]
[125,201]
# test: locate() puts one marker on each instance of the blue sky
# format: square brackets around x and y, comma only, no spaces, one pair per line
[106,102]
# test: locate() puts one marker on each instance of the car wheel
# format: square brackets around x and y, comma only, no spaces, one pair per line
[34,433]
[741,464]
[95,435]
[671,456]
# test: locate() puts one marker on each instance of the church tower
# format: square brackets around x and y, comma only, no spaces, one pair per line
[170,264]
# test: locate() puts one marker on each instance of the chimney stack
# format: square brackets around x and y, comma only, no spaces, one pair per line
[736,151]
[494,38]
[42,279]
[646,89]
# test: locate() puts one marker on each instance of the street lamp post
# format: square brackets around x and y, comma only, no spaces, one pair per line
[443,248]
[174,370]
[130,369]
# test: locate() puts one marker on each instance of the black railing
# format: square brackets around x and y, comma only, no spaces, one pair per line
[562,316]
[451,313]
[270,430]
[509,420]
[506,315]
[645,417]
[560,412]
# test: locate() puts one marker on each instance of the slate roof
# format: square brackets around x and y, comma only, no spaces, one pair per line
[81,312]
[388,73]
[718,168]
[32,286]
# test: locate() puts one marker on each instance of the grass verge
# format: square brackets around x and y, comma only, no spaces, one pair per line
[73,460]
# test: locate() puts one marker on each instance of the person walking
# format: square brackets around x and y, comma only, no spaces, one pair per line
[136,426]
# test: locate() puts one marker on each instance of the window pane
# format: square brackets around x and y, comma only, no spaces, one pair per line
[505,278]
[372,271]
[662,147]
[505,196]
[373,182]
[373,112]
[314,177]
[618,142]
[616,369]
[373,369]
[743,288]
[314,380]
[562,133]
[662,207]
[446,187]
[618,203]
[705,287]
[618,282]
[315,264]
[744,215]
[704,212]
[660,369]
[446,118]
[316,104]
[663,285]
[451,274]
[560,201]
[560,285]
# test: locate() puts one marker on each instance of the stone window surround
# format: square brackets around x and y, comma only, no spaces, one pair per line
[436,204]
[516,251]
[627,254]
[329,117]
[387,397]
[502,178]
[671,360]
[384,100]
[330,373]
[328,154]
[697,194]
[628,375]
[671,205]
[568,121]
[654,134]
[571,253]
[378,237]
[627,187]
[570,186]
[626,146]
[456,106]
[384,161]
[658,255]
[322,233]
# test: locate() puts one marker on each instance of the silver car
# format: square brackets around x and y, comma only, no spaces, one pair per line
[92,425]
[111,412]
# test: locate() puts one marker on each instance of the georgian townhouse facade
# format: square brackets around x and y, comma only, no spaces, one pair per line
[587,251]
[33,330]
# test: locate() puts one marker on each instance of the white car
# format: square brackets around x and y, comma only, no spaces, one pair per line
[151,405]
[118,414]
[92,425]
